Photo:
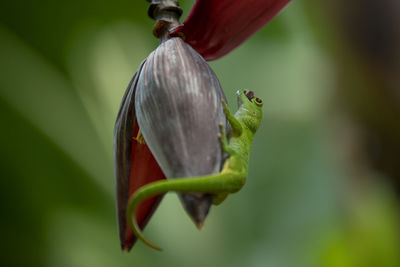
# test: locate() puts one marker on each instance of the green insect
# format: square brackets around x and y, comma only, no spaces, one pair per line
[232,177]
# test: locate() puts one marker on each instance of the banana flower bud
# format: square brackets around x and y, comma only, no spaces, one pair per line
[175,101]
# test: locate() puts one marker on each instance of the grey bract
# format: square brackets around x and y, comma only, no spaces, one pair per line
[178,109]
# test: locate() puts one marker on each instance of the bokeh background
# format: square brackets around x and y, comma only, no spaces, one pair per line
[324,179]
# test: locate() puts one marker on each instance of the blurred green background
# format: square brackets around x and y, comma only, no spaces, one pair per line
[324,173]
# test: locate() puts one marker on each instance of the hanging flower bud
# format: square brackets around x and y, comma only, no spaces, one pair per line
[178,108]
[168,118]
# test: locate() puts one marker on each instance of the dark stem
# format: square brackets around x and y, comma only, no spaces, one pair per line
[167,14]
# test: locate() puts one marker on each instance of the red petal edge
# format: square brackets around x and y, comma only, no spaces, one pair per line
[144,170]
[135,166]
[216,27]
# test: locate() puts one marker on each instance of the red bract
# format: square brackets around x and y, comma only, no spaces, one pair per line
[216,27]
[135,166]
